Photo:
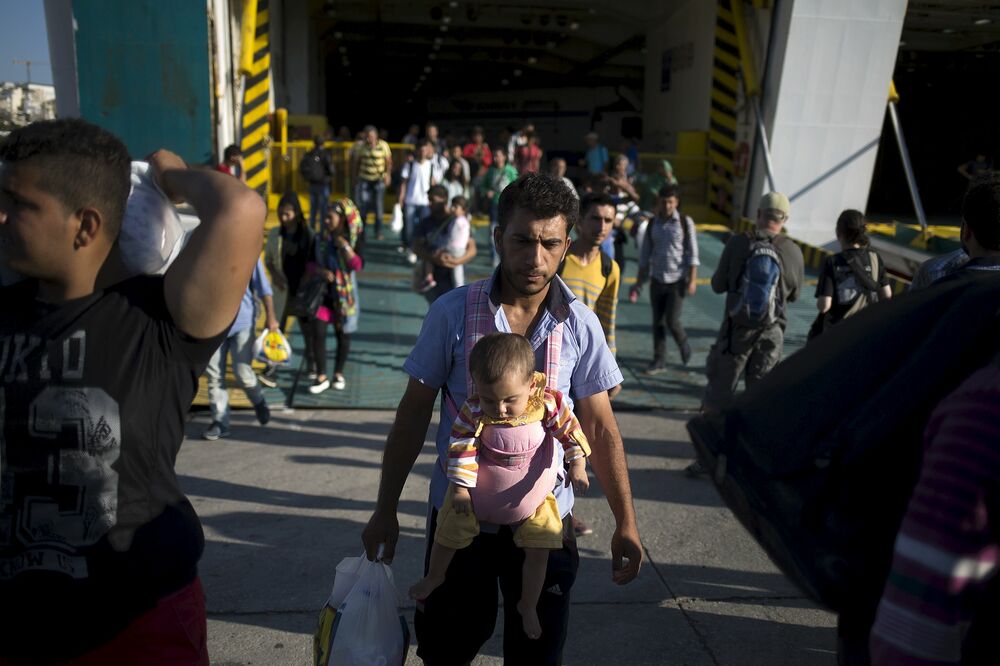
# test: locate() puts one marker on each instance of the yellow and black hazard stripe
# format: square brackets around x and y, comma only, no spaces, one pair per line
[256,105]
[722,115]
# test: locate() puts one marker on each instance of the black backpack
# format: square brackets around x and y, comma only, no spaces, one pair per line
[312,168]
[818,459]
[605,266]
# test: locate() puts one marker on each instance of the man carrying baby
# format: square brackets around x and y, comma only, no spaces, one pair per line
[500,466]
[523,296]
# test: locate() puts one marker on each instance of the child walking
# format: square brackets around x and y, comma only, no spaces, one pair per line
[501,466]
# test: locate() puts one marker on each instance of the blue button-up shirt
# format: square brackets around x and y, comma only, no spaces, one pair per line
[259,287]
[663,253]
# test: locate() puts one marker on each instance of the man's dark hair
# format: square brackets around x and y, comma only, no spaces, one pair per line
[318,141]
[80,164]
[498,355]
[851,227]
[669,191]
[591,199]
[230,152]
[439,191]
[425,142]
[543,196]
[369,128]
[981,210]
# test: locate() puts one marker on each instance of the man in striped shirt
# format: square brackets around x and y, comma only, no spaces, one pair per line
[941,604]
[669,258]
[372,172]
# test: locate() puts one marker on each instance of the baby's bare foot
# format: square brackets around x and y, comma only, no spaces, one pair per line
[529,618]
[423,589]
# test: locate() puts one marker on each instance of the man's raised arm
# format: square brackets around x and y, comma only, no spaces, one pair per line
[203,287]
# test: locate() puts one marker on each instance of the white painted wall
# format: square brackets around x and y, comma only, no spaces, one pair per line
[689,33]
[831,88]
[224,63]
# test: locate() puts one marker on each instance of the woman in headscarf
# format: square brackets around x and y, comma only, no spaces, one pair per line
[336,255]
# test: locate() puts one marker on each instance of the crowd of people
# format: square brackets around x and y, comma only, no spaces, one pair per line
[512,361]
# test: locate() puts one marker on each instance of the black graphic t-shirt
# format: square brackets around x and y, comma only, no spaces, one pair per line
[94,528]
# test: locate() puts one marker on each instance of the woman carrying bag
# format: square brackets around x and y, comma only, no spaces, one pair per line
[336,258]
[286,254]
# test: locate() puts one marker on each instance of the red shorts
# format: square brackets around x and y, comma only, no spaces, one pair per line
[173,632]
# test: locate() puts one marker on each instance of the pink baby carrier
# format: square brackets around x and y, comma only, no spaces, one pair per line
[516,464]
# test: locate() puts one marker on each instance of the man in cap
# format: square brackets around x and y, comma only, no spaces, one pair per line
[745,343]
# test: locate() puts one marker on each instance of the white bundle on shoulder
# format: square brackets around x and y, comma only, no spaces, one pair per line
[152,234]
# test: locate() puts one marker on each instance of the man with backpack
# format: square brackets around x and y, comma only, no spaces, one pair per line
[852,279]
[669,257]
[317,169]
[760,272]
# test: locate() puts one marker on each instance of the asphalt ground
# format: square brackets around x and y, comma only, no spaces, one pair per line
[283,504]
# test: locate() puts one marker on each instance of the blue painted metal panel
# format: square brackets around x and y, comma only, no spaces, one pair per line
[143,68]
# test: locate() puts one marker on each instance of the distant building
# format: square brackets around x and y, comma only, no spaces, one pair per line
[22,103]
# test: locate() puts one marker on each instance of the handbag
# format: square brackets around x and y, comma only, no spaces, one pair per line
[309,297]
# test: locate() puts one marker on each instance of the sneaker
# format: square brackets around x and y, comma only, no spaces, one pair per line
[319,387]
[686,352]
[311,376]
[215,431]
[581,528]
[339,383]
[427,285]
[655,368]
[263,412]
[411,258]
[269,377]
[695,470]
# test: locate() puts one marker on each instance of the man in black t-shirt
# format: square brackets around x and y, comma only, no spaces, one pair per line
[98,546]
[840,291]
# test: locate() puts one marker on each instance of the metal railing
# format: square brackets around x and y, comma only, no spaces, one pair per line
[285,158]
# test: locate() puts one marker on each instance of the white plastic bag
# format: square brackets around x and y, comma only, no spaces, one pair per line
[361,624]
[151,235]
[272,347]
[397,218]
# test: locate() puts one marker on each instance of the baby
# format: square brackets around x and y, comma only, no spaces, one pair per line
[501,466]
[458,241]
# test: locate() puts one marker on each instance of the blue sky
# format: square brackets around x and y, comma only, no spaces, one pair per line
[22,37]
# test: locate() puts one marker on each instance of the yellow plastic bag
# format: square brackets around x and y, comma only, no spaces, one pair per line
[272,347]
